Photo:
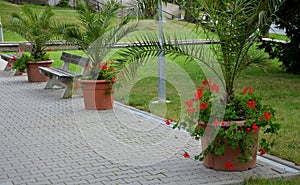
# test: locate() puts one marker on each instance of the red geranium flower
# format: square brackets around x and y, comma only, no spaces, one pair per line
[190,102]
[254,126]
[190,110]
[250,90]
[186,155]
[168,121]
[268,115]
[245,90]
[198,94]
[204,82]
[214,88]
[203,105]
[77,86]
[228,165]
[216,123]
[104,65]
[9,65]
[251,104]
[262,152]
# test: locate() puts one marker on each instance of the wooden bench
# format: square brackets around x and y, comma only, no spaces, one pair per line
[7,58]
[22,47]
[62,76]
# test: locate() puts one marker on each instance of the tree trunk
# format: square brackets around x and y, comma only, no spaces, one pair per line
[188,15]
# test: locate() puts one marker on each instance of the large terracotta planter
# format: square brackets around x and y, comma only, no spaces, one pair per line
[97,94]
[33,72]
[217,162]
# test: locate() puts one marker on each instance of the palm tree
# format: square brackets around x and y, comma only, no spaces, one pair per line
[97,32]
[236,23]
[38,29]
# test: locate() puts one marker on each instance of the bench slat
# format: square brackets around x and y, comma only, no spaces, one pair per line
[69,73]
[75,59]
[7,57]
[54,72]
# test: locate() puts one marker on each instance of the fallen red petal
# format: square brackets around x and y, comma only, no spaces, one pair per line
[186,155]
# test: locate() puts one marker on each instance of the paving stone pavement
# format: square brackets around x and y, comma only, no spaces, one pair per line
[48,140]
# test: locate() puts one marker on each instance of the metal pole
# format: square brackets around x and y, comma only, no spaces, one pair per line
[1,33]
[161,59]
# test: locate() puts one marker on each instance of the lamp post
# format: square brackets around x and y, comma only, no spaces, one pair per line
[1,33]
[161,59]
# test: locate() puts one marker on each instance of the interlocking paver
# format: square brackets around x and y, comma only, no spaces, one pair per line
[48,140]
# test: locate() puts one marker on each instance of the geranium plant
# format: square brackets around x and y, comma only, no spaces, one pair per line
[20,60]
[246,107]
[104,71]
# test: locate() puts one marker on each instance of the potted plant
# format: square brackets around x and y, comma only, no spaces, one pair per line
[38,30]
[227,122]
[98,94]
[229,137]
[96,32]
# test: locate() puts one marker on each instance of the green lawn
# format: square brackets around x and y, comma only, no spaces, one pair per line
[279,89]
[7,9]
[294,181]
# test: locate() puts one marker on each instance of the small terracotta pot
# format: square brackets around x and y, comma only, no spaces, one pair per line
[217,162]
[97,94]
[33,71]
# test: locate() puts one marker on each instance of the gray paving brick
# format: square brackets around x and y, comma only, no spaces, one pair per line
[46,182]
[25,181]
[61,180]
[48,140]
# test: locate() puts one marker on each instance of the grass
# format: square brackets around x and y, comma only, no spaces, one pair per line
[280,90]
[8,8]
[262,181]
[279,37]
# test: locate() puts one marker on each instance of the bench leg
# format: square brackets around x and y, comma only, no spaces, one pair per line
[50,82]
[7,68]
[69,86]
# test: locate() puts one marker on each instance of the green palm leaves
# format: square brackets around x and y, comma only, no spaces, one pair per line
[38,29]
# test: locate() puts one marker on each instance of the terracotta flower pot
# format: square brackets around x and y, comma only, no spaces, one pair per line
[33,72]
[97,94]
[229,160]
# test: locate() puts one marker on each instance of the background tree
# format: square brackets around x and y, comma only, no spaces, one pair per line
[289,19]
[146,9]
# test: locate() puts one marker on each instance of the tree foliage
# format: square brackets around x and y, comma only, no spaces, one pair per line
[289,19]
